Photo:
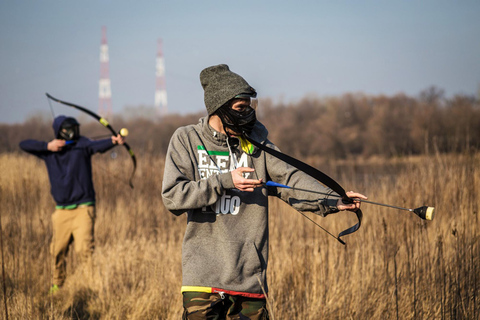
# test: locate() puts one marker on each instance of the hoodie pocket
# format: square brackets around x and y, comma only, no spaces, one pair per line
[223,264]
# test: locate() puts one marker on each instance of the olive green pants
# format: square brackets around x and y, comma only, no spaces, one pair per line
[201,306]
[77,226]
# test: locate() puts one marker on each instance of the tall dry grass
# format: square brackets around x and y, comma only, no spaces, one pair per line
[395,267]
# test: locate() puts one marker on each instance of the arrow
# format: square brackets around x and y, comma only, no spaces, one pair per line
[424,212]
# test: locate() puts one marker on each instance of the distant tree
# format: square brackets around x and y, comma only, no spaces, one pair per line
[432,95]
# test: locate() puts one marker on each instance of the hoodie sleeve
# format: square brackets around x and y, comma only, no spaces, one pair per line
[182,189]
[101,146]
[283,173]
[35,147]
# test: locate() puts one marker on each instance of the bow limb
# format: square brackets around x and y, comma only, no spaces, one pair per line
[354,228]
[105,123]
[317,174]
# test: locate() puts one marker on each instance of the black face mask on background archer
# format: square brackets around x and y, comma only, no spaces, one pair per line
[69,130]
[238,121]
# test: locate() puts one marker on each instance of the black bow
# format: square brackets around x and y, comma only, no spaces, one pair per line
[317,174]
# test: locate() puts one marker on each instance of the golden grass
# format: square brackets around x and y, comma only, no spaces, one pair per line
[395,267]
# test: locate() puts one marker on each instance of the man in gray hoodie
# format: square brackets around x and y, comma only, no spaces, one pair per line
[215,175]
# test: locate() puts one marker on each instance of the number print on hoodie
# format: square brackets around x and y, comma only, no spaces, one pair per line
[216,162]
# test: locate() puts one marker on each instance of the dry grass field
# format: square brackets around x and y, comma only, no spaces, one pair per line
[395,267]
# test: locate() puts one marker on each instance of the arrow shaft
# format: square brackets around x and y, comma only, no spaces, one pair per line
[278,185]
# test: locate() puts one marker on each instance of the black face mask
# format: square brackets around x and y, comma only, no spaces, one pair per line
[239,122]
[69,130]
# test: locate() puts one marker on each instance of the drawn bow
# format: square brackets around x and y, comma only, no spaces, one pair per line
[320,176]
[105,123]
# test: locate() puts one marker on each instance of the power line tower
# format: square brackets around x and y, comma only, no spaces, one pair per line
[104,88]
[160,89]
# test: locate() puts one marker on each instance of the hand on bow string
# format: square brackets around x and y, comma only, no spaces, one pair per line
[56,145]
[241,181]
[356,197]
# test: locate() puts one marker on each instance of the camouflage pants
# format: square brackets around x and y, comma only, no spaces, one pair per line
[201,306]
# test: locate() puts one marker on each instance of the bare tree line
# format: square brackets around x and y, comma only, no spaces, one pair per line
[361,125]
[346,126]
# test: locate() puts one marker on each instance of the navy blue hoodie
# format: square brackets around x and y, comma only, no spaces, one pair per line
[69,170]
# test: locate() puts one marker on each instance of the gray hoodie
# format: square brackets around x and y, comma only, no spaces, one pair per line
[225,246]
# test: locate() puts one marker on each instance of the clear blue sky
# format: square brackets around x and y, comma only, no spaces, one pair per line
[285,49]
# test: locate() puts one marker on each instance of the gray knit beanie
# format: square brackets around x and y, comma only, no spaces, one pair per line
[221,85]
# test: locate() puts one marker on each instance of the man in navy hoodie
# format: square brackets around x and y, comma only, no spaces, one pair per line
[69,166]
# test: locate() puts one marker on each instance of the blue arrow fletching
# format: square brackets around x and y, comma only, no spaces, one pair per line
[274,184]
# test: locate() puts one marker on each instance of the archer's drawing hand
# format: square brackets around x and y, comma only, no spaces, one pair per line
[242,183]
[56,145]
[119,139]
[351,206]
